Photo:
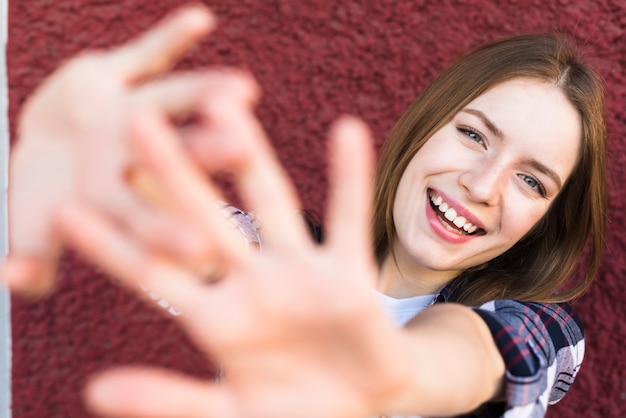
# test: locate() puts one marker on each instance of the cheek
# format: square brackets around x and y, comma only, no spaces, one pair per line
[408,186]
[402,204]
[521,220]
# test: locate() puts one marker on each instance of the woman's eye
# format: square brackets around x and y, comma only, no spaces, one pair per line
[473,135]
[534,184]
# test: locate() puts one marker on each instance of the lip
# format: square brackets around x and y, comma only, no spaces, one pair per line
[435,223]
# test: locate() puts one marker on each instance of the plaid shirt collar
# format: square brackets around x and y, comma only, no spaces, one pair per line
[448,292]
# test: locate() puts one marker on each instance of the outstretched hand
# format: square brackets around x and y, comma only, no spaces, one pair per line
[297,329]
[73,143]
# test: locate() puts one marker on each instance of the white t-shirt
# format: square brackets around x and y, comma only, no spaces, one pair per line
[402,311]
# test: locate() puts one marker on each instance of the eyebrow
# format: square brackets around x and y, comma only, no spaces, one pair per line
[488,123]
[545,170]
[498,133]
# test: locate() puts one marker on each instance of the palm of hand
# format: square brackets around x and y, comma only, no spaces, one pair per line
[295,345]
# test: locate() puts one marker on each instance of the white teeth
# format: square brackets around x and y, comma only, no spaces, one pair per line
[451,215]
[459,222]
[469,228]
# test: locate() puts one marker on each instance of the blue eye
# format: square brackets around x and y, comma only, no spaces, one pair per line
[534,184]
[473,135]
[530,181]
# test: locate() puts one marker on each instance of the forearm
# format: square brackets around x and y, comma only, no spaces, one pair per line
[454,364]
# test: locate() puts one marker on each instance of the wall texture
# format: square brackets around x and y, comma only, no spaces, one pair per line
[314,60]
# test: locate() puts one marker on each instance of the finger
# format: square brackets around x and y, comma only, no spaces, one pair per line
[183,184]
[216,152]
[183,93]
[157,49]
[351,193]
[28,276]
[153,393]
[261,181]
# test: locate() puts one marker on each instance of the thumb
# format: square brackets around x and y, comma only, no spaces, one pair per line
[28,276]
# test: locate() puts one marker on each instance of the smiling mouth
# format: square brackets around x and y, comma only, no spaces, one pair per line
[450,218]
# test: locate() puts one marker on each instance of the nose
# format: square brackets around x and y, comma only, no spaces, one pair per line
[484,182]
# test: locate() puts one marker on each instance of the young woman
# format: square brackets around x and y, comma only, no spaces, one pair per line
[546,256]
[487,191]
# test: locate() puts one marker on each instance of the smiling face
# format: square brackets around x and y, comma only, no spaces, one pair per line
[482,181]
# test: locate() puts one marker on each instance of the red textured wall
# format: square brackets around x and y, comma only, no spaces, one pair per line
[314,59]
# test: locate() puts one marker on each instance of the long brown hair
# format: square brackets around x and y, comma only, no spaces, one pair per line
[540,264]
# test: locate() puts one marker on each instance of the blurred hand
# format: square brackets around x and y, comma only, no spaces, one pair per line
[73,143]
[297,328]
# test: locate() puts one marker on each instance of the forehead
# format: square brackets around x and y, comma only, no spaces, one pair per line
[535,118]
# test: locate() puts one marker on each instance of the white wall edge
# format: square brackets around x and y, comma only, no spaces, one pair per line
[5,301]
